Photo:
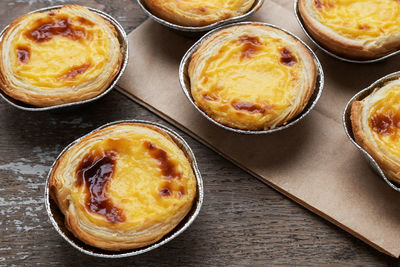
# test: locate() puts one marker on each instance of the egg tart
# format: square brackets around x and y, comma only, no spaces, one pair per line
[252,77]
[197,12]
[123,187]
[376,126]
[60,56]
[358,29]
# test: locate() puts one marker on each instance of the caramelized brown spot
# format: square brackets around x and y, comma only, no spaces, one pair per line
[364,27]
[23,54]
[47,29]
[202,9]
[210,97]
[250,107]
[85,21]
[165,192]
[181,192]
[287,58]
[385,124]
[75,71]
[170,187]
[51,14]
[95,172]
[319,4]
[251,45]
[226,15]
[167,167]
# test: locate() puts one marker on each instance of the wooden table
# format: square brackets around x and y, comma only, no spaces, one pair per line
[242,222]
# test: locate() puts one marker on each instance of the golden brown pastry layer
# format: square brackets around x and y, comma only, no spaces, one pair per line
[123,187]
[60,56]
[197,12]
[252,77]
[365,29]
[376,127]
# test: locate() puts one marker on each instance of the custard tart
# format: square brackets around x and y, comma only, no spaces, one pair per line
[252,76]
[357,29]
[376,126]
[197,12]
[60,56]
[123,187]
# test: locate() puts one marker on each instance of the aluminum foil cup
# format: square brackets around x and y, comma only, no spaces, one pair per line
[123,40]
[57,218]
[349,130]
[185,82]
[196,31]
[331,53]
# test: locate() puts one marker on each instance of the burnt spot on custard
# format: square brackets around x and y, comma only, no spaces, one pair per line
[95,172]
[319,4]
[85,21]
[385,123]
[364,27]
[75,71]
[168,168]
[210,97]
[170,188]
[46,28]
[168,171]
[250,107]
[250,46]
[202,9]
[287,58]
[23,54]
[181,192]
[165,192]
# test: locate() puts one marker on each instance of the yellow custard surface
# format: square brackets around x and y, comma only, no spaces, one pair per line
[359,19]
[151,180]
[250,80]
[60,48]
[384,121]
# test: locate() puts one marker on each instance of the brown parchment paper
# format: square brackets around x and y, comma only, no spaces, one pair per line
[313,162]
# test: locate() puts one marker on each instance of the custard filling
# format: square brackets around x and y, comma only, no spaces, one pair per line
[384,121]
[365,19]
[251,74]
[130,179]
[59,49]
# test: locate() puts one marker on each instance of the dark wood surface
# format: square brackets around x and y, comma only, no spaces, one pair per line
[243,222]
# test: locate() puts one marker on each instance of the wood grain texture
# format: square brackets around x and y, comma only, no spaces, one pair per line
[242,222]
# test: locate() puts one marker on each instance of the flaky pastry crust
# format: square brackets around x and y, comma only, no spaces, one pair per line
[61,56]
[364,41]
[375,128]
[197,13]
[123,187]
[252,77]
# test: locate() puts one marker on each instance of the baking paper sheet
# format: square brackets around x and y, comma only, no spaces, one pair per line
[313,162]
